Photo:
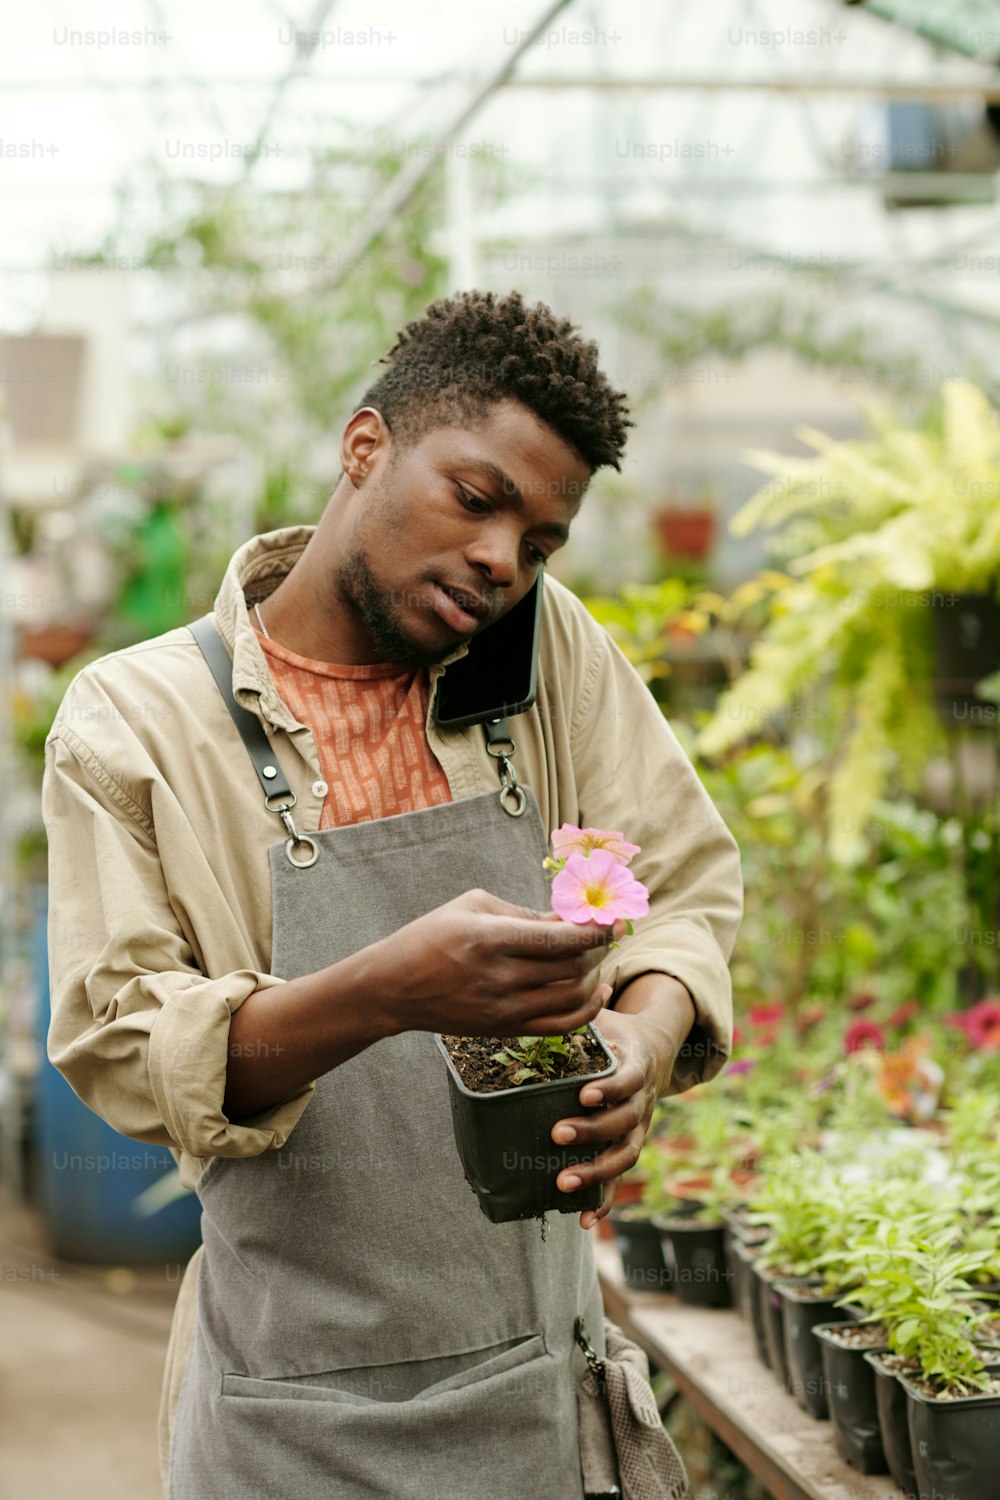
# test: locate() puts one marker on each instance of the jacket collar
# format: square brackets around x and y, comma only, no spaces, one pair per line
[254,571]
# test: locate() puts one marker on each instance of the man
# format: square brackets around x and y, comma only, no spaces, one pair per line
[250,954]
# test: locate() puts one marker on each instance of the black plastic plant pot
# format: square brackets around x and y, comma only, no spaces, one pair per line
[739,1257]
[752,1309]
[955,1443]
[803,1356]
[701,1275]
[505,1143]
[773,1320]
[753,1295]
[850,1392]
[740,1229]
[737,1268]
[641,1249]
[894,1426]
[966,635]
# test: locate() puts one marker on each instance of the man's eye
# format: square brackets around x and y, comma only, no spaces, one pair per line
[474,502]
[480,507]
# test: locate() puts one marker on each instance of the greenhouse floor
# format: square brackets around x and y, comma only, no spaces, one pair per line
[81,1362]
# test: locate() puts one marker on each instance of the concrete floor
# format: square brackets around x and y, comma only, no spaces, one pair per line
[81,1361]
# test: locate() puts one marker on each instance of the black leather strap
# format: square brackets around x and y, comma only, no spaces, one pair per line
[497,732]
[265,762]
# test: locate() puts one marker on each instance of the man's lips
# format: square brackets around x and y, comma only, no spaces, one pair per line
[468,601]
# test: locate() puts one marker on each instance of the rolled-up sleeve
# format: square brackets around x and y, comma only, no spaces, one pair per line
[633,775]
[138,1031]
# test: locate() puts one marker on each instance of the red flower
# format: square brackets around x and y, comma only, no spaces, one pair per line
[904,1013]
[766,1015]
[737,1036]
[863,1001]
[863,1034]
[982,1025]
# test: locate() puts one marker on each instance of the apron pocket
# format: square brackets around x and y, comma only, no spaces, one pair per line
[246,1387]
[384,1387]
[501,1428]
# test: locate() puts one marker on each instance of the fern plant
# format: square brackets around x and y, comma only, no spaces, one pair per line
[874,529]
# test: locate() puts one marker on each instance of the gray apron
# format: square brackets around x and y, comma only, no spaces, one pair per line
[363,1331]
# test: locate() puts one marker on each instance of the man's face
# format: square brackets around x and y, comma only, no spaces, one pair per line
[466,516]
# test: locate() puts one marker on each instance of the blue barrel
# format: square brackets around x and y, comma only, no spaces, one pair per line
[103,1197]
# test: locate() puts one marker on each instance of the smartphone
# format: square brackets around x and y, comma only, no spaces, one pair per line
[498,675]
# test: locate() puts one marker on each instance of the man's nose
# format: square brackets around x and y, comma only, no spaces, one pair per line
[497,556]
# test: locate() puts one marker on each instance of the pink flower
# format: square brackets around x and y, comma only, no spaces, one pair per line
[863,1034]
[742,1065]
[904,1014]
[981,1025]
[598,888]
[863,1000]
[572,840]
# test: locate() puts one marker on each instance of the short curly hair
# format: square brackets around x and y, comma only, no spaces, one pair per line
[469,351]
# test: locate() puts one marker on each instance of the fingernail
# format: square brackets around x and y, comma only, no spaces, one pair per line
[569,1184]
[564,1134]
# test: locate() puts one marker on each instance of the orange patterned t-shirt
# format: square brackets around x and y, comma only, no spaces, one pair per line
[368,724]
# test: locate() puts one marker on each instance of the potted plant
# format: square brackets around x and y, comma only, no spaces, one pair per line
[694,1236]
[687,531]
[636,1235]
[506,1095]
[953,1432]
[952,1394]
[850,1390]
[893,1422]
[795,1202]
[703,1172]
[885,1218]
[966,637]
[919,1289]
[741,1244]
[875,530]
[503,1130]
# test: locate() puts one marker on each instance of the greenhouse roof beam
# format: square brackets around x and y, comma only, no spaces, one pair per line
[986,87]
[402,188]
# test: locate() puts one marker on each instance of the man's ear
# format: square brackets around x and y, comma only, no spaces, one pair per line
[365,444]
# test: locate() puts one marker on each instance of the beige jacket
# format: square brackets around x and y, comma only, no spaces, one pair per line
[159,880]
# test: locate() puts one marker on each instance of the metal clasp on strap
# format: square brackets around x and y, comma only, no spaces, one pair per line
[284,811]
[595,1365]
[498,736]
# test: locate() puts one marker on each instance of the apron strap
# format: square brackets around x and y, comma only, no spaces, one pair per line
[278,795]
[269,772]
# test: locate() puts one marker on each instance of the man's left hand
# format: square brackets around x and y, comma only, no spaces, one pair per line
[646,1044]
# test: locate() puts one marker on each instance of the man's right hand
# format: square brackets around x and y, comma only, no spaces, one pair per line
[479,966]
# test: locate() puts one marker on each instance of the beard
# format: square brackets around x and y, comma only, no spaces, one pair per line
[358,589]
